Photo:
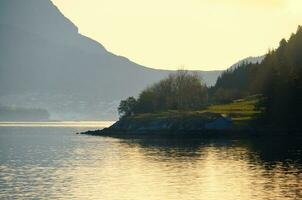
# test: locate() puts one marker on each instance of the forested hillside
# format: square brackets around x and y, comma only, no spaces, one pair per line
[278,78]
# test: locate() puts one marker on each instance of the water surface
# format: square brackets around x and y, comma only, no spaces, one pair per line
[55,163]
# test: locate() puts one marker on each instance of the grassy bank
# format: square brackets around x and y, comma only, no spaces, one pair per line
[241,111]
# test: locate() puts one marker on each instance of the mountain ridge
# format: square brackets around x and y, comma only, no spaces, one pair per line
[45,62]
[247,60]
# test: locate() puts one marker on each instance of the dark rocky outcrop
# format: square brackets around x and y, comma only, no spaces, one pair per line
[169,124]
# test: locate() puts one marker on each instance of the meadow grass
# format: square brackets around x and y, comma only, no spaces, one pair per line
[242,111]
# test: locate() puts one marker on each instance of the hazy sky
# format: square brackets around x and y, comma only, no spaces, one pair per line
[197,34]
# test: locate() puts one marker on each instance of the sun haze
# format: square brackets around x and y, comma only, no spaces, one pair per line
[197,34]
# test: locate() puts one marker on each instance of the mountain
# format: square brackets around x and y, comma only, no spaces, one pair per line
[45,63]
[248,60]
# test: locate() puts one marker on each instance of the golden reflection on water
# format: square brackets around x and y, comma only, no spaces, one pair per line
[214,173]
[113,169]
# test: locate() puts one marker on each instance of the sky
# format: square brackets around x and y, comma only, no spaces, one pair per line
[190,34]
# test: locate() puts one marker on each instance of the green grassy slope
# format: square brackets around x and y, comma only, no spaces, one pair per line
[241,111]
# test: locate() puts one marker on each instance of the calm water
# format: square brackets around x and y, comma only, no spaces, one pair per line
[55,163]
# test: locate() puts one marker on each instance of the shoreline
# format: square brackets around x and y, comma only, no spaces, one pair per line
[196,134]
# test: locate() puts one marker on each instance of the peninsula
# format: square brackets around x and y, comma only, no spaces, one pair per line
[248,97]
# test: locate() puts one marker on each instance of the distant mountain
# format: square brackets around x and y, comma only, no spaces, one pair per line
[248,60]
[46,63]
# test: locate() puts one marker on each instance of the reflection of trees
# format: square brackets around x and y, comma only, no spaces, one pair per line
[178,148]
[261,167]
[272,150]
[263,150]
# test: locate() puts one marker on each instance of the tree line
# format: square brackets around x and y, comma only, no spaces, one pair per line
[179,91]
[278,78]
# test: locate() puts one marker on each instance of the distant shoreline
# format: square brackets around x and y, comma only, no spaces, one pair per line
[87,124]
[191,134]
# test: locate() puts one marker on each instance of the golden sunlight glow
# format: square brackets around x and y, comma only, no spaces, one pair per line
[147,173]
[199,34]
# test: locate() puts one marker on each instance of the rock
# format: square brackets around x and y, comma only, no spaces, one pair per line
[171,124]
[219,124]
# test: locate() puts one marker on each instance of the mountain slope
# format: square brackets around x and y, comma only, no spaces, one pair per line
[278,80]
[46,63]
[248,60]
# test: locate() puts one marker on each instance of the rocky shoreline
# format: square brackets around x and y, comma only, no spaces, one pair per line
[205,123]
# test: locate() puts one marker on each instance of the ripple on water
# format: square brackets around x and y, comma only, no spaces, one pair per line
[54,163]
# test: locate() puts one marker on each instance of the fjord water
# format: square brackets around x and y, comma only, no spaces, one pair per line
[55,163]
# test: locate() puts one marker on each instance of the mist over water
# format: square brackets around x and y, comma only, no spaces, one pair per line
[79,124]
[55,163]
